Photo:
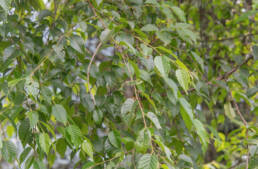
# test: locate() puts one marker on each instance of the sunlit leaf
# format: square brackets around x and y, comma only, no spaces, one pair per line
[186,113]
[148,161]
[154,119]
[149,28]
[114,139]
[60,113]
[87,148]
[44,142]
[183,78]
[162,65]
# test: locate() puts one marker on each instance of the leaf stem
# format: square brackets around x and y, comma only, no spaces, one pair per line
[88,71]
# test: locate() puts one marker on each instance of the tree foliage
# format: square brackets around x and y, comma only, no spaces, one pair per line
[178,89]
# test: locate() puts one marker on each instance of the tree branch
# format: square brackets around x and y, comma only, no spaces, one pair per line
[226,75]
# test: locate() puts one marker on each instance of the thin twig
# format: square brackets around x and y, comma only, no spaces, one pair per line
[247,159]
[103,162]
[246,125]
[238,111]
[88,70]
[135,89]
[95,13]
[227,74]
[136,94]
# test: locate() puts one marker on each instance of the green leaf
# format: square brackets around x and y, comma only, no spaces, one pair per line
[172,86]
[151,2]
[51,157]
[44,142]
[24,132]
[186,113]
[38,4]
[9,130]
[31,87]
[60,113]
[128,142]
[127,106]
[10,53]
[114,139]
[5,4]
[75,133]
[33,117]
[61,146]
[88,165]
[149,28]
[181,65]
[24,154]
[60,54]
[255,52]
[162,64]
[9,151]
[124,37]
[229,111]
[186,158]
[77,43]
[126,40]
[164,166]
[144,75]
[183,78]
[29,162]
[98,2]
[179,13]
[87,147]
[49,128]
[148,161]
[143,141]
[97,116]
[201,133]
[198,59]
[154,119]
[185,32]
[44,13]
[164,36]
[105,35]
[163,147]
[146,51]
[37,164]
[13,82]
[245,16]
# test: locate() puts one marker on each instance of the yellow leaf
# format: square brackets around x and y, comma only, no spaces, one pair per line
[10,130]
[53,118]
